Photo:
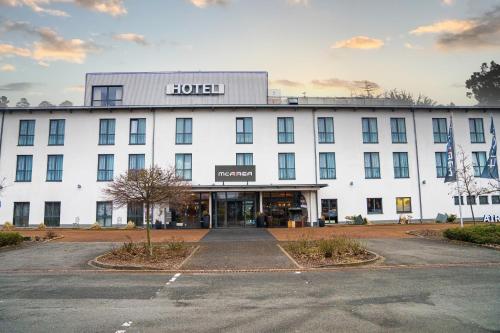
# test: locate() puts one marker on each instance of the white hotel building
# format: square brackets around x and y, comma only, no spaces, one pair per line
[312,156]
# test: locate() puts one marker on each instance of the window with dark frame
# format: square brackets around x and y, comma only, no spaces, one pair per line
[471,199]
[286,164]
[107,131]
[329,210]
[455,200]
[21,214]
[107,95]
[374,205]
[398,130]
[479,161]
[24,166]
[401,169]
[440,130]
[285,130]
[137,131]
[136,162]
[183,166]
[476,130]
[370,130]
[495,199]
[54,168]
[327,169]
[26,133]
[105,167]
[483,200]
[244,130]
[135,213]
[441,164]
[372,165]
[184,131]
[52,214]
[325,130]
[403,205]
[244,159]
[56,132]
[104,213]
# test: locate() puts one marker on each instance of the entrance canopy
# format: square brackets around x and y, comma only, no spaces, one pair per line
[257,188]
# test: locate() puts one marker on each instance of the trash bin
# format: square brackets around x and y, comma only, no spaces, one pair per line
[158,224]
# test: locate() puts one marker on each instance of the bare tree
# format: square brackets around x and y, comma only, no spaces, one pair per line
[467,182]
[23,103]
[149,187]
[2,185]
[45,104]
[403,97]
[4,102]
[66,103]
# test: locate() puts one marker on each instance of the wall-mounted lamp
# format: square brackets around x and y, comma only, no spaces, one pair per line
[78,186]
[424,182]
[351,183]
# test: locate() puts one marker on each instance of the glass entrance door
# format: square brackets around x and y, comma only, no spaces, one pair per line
[235,214]
[234,209]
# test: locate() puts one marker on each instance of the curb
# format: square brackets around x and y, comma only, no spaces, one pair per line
[452,241]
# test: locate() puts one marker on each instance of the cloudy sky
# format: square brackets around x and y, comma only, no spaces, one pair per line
[320,47]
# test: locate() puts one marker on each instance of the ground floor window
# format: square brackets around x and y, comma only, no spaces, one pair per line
[52,214]
[403,205]
[495,199]
[483,200]
[104,213]
[329,210]
[284,206]
[135,213]
[455,199]
[471,200]
[21,214]
[374,205]
[191,214]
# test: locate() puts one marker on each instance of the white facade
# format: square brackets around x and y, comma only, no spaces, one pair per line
[214,143]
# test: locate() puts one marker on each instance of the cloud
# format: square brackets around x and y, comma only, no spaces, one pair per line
[10,50]
[131,37]
[206,3]
[77,88]
[50,46]
[110,7]
[447,26]
[448,2]
[287,83]
[346,84]
[299,2]
[7,68]
[413,47]
[17,86]
[359,42]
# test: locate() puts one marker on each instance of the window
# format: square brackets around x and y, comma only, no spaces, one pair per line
[483,200]
[56,132]
[24,166]
[478,162]
[327,166]
[471,199]
[455,200]
[398,130]
[137,131]
[244,159]
[329,210]
[26,133]
[183,166]
[441,164]
[374,205]
[135,213]
[370,131]
[400,161]
[52,214]
[21,214]
[54,168]
[286,163]
[476,130]
[372,165]
[244,130]
[403,205]
[104,213]
[325,130]
[105,167]
[184,131]
[107,131]
[136,162]
[285,130]
[495,199]
[107,95]
[439,128]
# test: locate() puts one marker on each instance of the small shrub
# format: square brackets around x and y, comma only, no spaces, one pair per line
[95,226]
[130,225]
[7,226]
[10,238]
[175,245]
[451,218]
[480,234]
[50,234]
[41,226]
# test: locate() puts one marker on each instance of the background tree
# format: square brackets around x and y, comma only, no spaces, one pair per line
[467,182]
[485,85]
[403,97]
[149,187]
[45,104]
[23,103]
[4,102]
[66,103]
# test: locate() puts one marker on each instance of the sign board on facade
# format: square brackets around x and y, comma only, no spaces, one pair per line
[235,173]
[195,89]
[493,218]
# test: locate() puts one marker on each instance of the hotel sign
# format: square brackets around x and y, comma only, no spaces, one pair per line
[195,89]
[235,173]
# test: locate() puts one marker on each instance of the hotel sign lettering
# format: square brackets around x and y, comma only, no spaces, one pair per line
[235,173]
[195,89]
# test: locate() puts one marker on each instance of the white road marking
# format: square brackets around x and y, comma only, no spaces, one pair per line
[173,278]
[127,324]
[121,331]
[298,272]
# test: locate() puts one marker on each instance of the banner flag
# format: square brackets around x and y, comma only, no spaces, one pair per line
[451,170]
[491,169]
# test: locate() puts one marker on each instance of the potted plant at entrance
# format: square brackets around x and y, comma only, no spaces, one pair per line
[205,220]
[260,220]
[321,221]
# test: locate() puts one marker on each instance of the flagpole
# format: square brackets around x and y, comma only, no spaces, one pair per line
[457,178]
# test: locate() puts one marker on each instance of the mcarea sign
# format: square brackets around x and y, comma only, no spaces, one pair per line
[235,173]
[195,89]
